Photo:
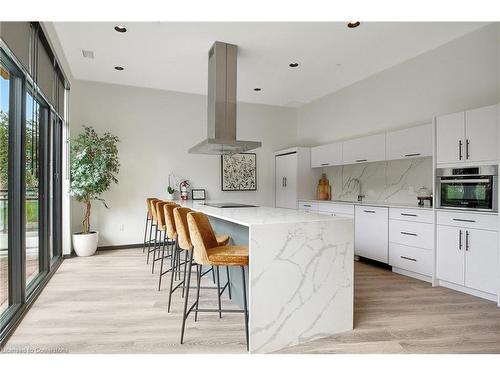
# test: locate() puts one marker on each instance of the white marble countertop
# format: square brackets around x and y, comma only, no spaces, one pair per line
[368,203]
[249,216]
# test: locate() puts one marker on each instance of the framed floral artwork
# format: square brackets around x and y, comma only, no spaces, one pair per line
[239,172]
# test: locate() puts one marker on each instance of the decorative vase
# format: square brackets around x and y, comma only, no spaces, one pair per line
[323,192]
[85,244]
[170,197]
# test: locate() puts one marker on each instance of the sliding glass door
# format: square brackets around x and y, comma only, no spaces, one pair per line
[4,188]
[30,191]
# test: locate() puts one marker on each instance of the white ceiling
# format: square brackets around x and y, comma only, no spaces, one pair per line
[173,56]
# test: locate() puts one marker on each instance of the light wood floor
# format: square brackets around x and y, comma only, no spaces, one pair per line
[398,314]
[108,303]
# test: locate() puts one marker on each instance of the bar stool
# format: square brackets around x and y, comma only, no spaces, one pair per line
[206,251]
[171,237]
[162,230]
[154,224]
[149,218]
[184,244]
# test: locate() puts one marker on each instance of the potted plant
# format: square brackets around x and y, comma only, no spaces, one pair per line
[170,193]
[94,165]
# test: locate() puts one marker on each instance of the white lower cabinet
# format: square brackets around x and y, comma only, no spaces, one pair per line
[411,240]
[371,227]
[468,256]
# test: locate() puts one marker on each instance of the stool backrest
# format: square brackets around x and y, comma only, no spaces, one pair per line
[202,236]
[160,214]
[168,209]
[148,205]
[152,206]
[181,226]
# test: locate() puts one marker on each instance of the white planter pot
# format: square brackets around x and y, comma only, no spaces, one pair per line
[170,197]
[85,244]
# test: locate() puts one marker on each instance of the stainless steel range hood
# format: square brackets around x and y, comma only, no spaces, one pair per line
[221,137]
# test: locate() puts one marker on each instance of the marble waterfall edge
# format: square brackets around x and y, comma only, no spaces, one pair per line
[301,282]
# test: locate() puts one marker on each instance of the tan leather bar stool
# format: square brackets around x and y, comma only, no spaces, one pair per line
[149,218]
[154,224]
[171,237]
[184,244]
[161,230]
[206,251]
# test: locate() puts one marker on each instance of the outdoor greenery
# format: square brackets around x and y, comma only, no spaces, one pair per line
[94,166]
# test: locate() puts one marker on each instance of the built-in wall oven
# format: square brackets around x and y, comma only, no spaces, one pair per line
[473,188]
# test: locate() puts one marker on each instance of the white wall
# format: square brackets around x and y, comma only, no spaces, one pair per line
[459,75]
[156,128]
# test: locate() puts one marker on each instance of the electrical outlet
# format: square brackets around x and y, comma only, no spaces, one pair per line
[122,227]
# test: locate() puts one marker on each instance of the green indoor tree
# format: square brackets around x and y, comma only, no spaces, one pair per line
[94,166]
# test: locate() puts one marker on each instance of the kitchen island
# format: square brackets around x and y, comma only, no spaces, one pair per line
[300,272]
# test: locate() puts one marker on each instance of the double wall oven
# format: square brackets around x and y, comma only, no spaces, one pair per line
[473,188]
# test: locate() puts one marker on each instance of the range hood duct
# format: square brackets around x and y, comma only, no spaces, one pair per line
[221,126]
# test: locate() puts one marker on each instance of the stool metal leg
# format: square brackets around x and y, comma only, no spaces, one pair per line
[245,307]
[174,265]
[184,315]
[199,269]
[154,251]
[161,263]
[145,232]
[150,239]
[218,292]
[228,282]
[185,265]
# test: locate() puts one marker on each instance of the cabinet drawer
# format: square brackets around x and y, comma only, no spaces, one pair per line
[468,220]
[411,234]
[411,258]
[336,208]
[308,206]
[411,214]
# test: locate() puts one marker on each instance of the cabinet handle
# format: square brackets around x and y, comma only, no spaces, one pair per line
[466,240]
[409,234]
[414,215]
[460,150]
[306,205]
[465,220]
[407,258]
[369,211]
[360,160]
[460,239]
[325,163]
[285,181]
[415,154]
[467,149]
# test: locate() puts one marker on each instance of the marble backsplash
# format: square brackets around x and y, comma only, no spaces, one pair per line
[394,181]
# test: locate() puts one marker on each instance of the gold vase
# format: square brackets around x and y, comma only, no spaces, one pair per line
[323,192]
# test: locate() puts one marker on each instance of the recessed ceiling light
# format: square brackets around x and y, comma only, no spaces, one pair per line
[119,67]
[352,25]
[293,65]
[257,89]
[121,28]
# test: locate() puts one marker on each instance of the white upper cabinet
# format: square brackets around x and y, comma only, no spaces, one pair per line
[481,134]
[326,155]
[468,137]
[409,143]
[365,149]
[450,131]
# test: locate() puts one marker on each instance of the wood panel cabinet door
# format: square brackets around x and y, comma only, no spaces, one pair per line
[286,181]
[371,233]
[326,155]
[365,149]
[450,131]
[450,254]
[481,260]
[409,143]
[481,134]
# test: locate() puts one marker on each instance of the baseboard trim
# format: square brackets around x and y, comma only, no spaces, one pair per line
[412,274]
[119,247]
[464,289]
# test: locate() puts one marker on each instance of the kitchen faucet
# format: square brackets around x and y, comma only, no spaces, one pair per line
[360,195]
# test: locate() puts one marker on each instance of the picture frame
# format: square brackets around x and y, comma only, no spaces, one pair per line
[198,194]
[239,172]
